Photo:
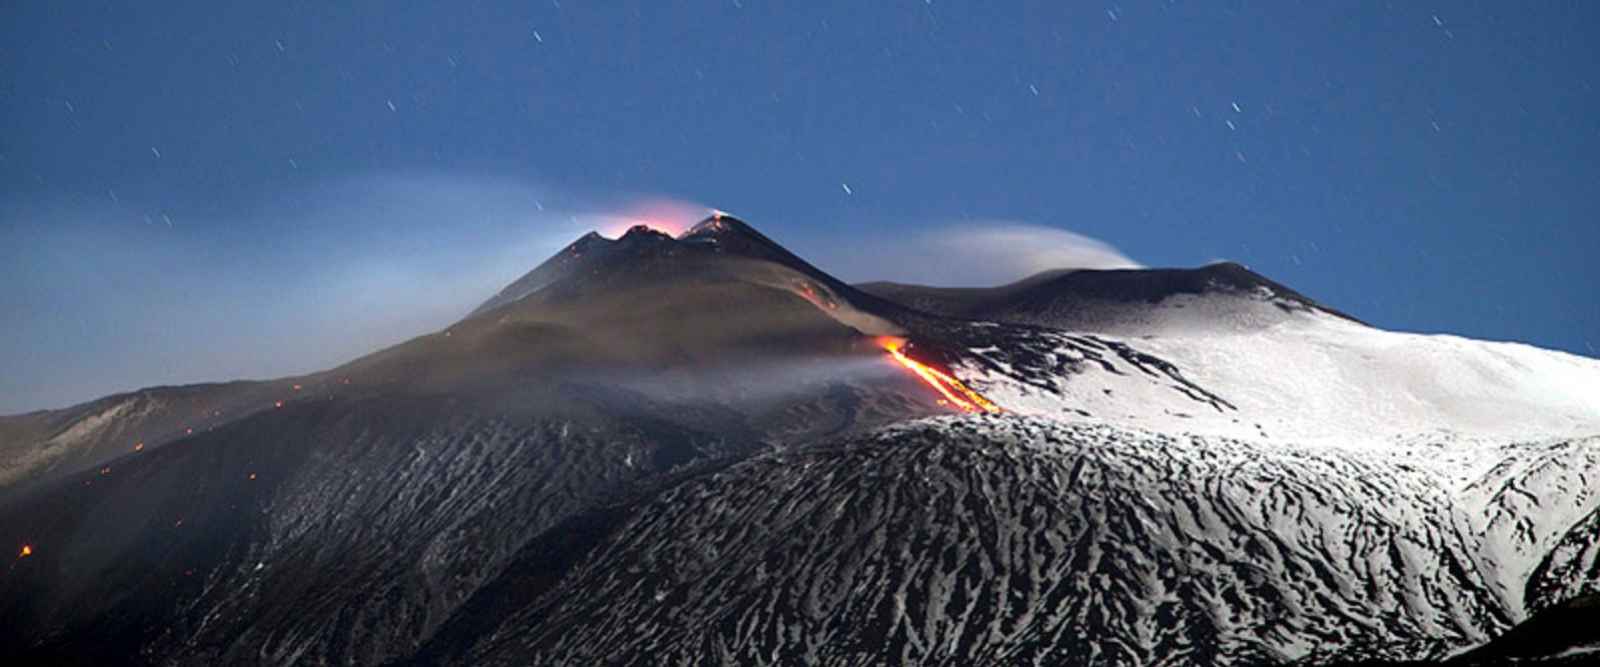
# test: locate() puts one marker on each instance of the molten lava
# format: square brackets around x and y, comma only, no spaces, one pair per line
[954,392]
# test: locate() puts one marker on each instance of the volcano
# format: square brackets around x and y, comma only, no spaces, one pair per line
[703,449]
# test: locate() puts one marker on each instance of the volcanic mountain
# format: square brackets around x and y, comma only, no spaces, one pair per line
[706,450]
[715,311]
[1107,300]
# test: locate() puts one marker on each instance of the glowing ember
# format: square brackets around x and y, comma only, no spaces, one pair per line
[954,392]
[812,294]
[26,551]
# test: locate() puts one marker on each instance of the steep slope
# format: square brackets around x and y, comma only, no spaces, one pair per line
[343,517]
[699,449]
[44,446]
[325,531]
[720,247]
[1004,541]
[667,317]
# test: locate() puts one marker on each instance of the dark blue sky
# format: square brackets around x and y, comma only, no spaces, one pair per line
[194,191]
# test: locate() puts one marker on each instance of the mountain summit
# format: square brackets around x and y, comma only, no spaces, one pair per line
[720,248]
[704,449]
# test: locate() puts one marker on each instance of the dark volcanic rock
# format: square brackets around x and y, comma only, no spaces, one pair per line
[346,516]
[998,541]
[327,531]
[1561,634]
[1091,299]
[693,450]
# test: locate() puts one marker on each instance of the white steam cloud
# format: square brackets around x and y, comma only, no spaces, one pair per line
[107,297]
[972,254]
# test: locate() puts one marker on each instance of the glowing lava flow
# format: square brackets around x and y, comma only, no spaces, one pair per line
[953,390]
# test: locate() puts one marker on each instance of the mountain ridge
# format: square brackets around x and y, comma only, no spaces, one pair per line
[1032,300]
[1250,478]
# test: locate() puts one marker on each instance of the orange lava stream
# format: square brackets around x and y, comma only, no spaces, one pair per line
[953,390]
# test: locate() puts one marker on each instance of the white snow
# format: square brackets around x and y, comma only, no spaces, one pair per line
[1313,378]
[977,536]
[1509,434]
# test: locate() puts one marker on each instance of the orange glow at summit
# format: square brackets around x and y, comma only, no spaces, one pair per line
[669,216]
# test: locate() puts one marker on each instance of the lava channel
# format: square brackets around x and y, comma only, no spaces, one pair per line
[954,392]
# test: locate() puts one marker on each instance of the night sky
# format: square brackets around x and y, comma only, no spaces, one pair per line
[190,192]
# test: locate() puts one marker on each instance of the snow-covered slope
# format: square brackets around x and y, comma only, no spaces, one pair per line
[1288,484]
[696,450]
[1011,540]
[1302,378]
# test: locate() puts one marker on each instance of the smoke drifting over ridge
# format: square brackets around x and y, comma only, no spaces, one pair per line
[970,254]
[325,275]
[321,277]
